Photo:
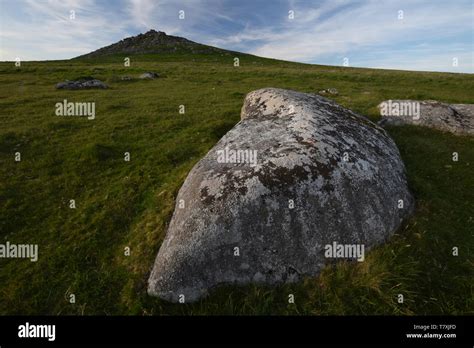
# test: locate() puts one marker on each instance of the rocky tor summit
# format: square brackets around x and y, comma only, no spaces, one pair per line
[297,174]
[153,42]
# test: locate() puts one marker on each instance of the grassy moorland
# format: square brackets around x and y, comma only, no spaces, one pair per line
[120,204]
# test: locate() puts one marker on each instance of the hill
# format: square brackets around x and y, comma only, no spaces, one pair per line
[154,42]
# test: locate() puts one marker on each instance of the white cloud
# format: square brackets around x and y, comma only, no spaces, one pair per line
[369,24]
[348,29]
[46,30]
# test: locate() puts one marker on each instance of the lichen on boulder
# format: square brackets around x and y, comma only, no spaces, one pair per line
[297,173]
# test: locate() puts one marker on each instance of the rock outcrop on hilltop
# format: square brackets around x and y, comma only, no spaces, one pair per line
[153,42]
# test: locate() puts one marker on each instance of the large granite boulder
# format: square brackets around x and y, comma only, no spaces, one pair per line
[297,174]
[454,118]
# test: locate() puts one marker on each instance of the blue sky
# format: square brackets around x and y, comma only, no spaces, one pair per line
[431,35]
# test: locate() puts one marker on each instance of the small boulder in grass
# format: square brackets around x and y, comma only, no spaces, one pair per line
[329,91]
[149,75]
[86,83]
[454,118]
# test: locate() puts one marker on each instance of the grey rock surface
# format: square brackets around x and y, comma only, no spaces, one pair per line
[454,118]
[81,84]
[343,174]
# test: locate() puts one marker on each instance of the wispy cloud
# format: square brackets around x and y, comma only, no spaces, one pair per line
[354,31]
[55,29]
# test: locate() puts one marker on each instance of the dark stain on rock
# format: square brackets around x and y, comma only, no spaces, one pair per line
[281,177]
[206,198]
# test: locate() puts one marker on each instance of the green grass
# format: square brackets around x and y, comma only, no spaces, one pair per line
[119,203]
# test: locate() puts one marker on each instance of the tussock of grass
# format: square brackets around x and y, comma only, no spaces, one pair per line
[123,203]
